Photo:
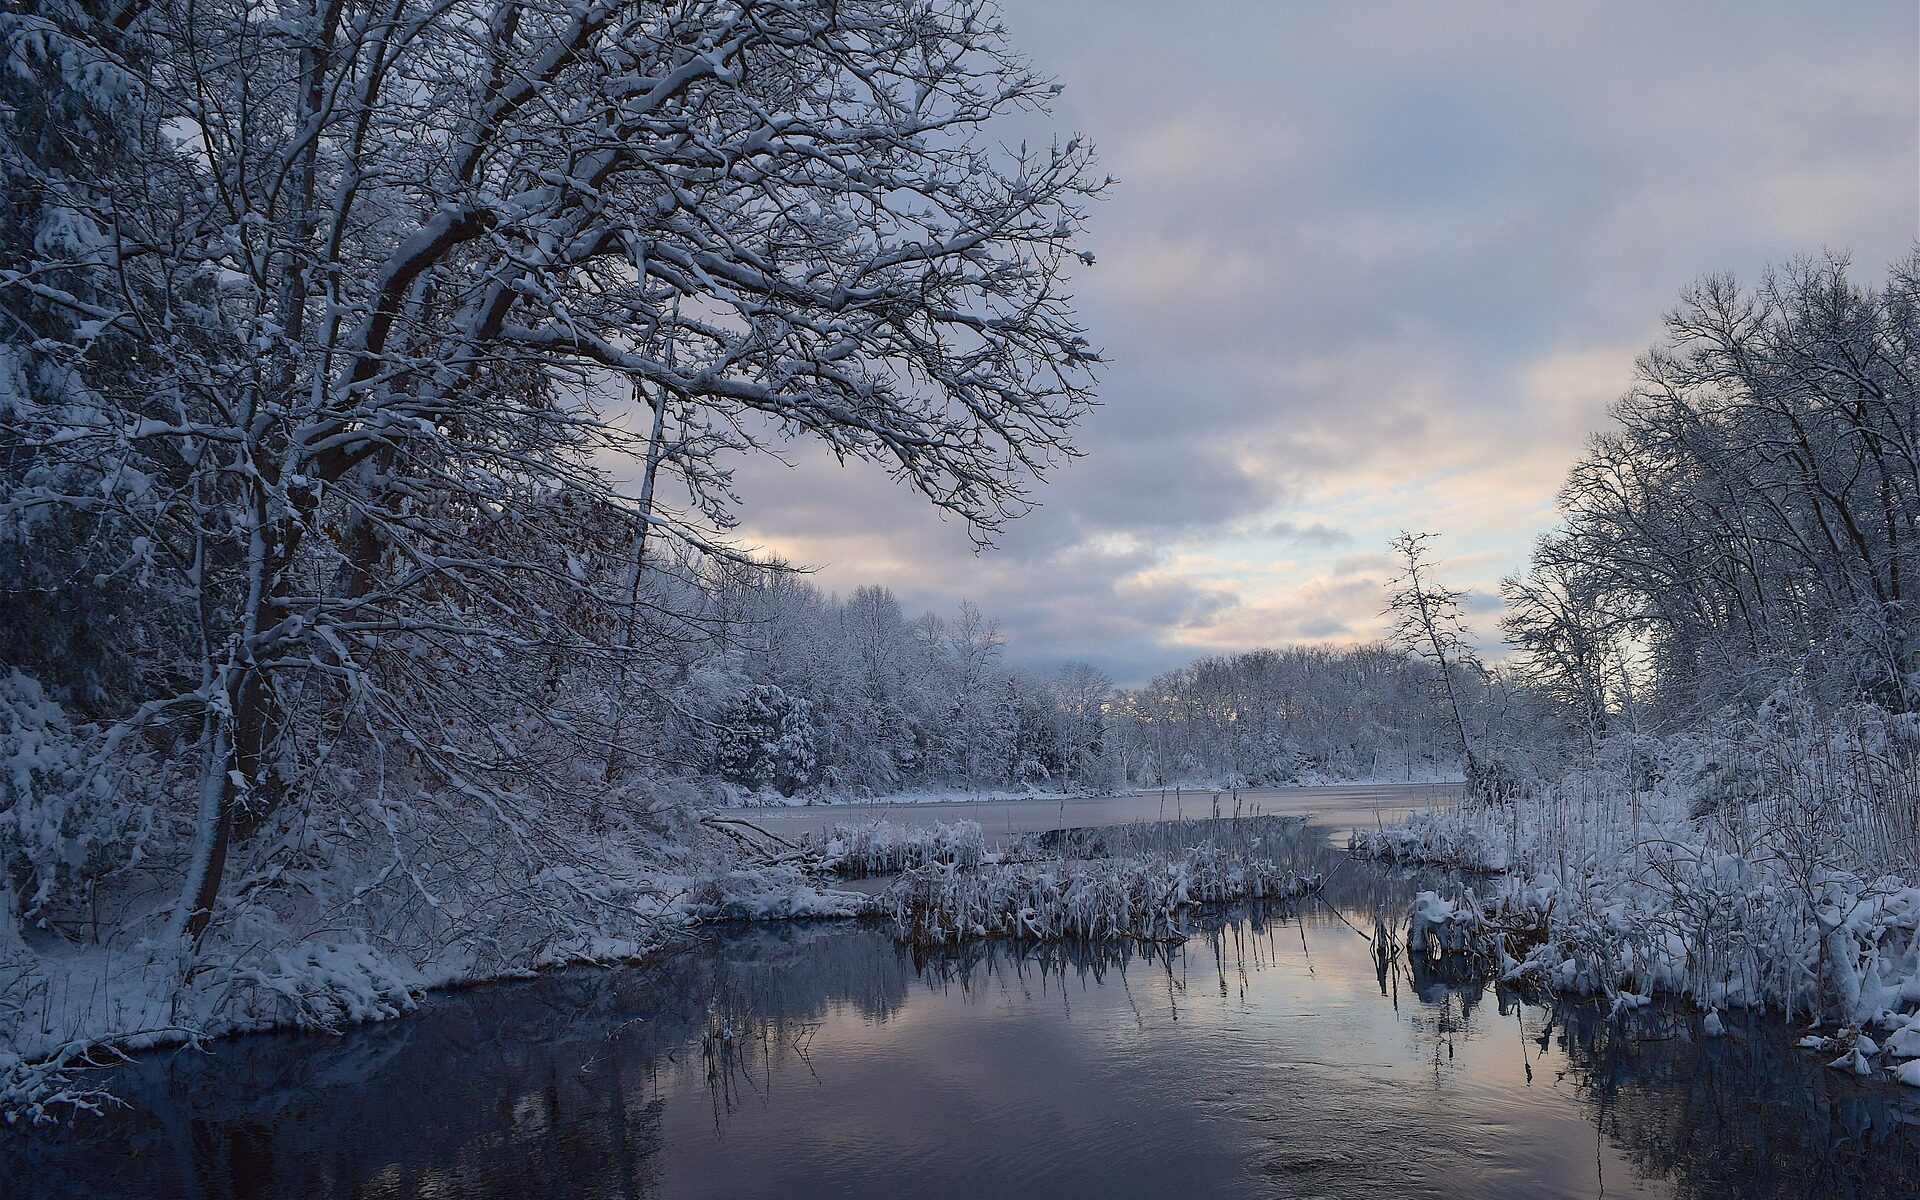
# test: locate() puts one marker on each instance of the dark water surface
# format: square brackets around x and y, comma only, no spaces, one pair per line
[1266,1057]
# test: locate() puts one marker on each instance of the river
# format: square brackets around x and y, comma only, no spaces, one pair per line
[1266,1057]
[1336,808]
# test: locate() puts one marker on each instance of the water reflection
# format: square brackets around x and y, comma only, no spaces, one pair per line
[1267,1056]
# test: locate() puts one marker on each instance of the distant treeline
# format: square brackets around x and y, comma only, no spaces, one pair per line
[779,686]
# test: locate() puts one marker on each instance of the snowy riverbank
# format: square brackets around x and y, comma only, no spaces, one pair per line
[367,956]
[1750,870]
[361,953]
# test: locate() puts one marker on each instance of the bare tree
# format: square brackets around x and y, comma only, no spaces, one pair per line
[1428,620]
[1753,512]
[1564,635]
[410,275]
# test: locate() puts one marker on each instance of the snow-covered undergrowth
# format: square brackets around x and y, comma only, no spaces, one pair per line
[1772,865]
[351,918]
[1128,882]
[1442,838]
[883,848]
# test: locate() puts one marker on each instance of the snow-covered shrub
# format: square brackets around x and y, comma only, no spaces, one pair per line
[67,821]
[1469,838]
[767,893]
[883,848]
[325,985]
[1437,927]
[1771,862]
[1142,898]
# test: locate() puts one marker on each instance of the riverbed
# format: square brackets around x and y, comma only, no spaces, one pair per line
[1267,1056]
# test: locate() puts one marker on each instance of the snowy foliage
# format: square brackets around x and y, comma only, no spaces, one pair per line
[823,695]
[882,848]
[1143,898]
[1770,865]
[1437,839]
[1134,881]
[767,741]
[338,655]
[68,822]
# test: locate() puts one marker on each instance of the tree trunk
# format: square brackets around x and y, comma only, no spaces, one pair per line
[214,829]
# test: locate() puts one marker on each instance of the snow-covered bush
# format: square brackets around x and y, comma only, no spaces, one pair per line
[1770,863]
[70,817]
[1144,898]
[1469,838]
[883,848]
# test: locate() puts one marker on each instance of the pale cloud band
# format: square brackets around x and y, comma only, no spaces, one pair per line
[1375,266]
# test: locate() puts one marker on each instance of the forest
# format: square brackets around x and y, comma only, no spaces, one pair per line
[372,379]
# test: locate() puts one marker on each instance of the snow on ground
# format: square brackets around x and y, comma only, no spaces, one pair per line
[1723,878]
[356,958]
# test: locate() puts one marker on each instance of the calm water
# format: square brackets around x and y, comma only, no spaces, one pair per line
[1336,808]
[1266,1057]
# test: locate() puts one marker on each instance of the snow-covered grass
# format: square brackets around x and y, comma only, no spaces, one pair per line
[883,848]
[1127,881]
[325,944]
[1437,838]
[1774,865]
[1143,898]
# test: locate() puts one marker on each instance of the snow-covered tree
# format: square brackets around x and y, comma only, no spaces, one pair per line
[767,741]
[1081,691]
[347,357]
[1279,716]
[1753,511]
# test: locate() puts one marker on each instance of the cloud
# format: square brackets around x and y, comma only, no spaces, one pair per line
[1316,533]
[1371,267]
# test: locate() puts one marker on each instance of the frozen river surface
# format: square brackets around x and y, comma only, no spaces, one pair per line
[1336,808]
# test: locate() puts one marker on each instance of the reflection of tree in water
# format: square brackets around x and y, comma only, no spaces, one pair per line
[557,1086]
[1745,1115]
[548,1087]
[1749,1114]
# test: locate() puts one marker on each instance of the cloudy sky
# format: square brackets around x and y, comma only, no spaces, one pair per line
[1374,266]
